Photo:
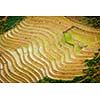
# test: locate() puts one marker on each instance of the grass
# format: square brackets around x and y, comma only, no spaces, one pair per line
[68,39]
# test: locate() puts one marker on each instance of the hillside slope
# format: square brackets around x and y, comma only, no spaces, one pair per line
[37,47]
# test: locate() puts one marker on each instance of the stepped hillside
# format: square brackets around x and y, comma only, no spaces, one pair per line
[46,46]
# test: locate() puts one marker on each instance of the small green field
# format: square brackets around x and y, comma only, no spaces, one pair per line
[69,40]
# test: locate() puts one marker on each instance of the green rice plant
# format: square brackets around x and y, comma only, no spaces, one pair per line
[69,40]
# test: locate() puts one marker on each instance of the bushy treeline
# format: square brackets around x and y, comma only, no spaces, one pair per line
[10,22]
[93,21]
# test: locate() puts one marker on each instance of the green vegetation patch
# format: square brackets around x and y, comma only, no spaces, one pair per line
[92,21]
[68,39]
[10,22]
[50,80]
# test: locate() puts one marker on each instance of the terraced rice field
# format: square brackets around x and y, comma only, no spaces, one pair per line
[46,46]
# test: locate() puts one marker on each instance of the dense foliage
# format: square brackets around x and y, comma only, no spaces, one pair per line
[91,73]
[93,70]
[10,22]
[93,21]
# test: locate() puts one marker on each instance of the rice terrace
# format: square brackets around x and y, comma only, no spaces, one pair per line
[49,49]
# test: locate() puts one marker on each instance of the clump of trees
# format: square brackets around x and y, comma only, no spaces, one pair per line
[50,80]
[93,70]
[91,73]
[7,22]
[93,21]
